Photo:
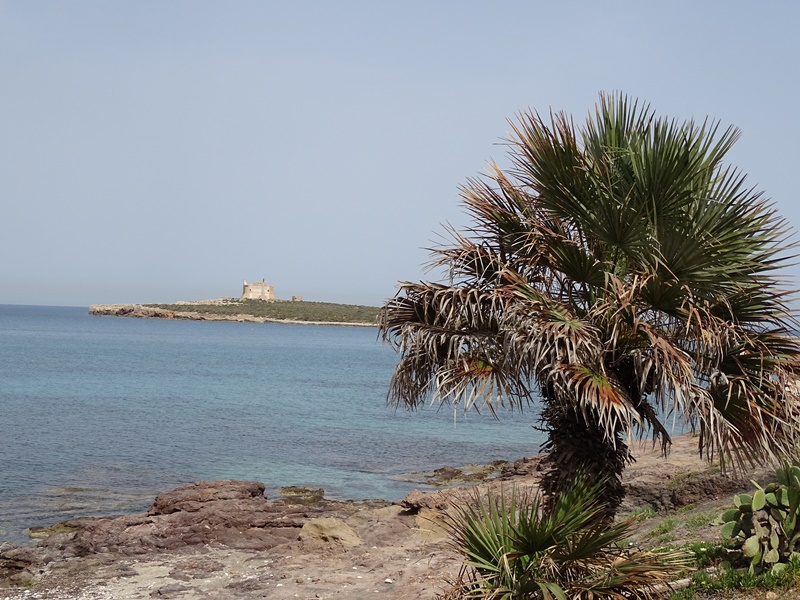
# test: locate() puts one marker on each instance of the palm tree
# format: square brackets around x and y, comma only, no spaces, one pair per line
[618,274]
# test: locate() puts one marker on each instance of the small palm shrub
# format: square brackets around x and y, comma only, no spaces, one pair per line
[513,549]
[765,525]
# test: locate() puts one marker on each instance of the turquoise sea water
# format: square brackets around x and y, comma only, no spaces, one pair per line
[99,414]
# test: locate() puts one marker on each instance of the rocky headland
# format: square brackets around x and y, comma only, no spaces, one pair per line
[228,539]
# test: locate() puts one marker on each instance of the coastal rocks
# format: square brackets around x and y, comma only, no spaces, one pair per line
[406,544]
[193,497]
[130,310]
[302,495]
[41,533]
[151,312]
[329,530]
[472,474]
[195,520]
[528,466]
[452,476]
[17,565]
[685,487]
[233,514]
[416,501]
[223,537]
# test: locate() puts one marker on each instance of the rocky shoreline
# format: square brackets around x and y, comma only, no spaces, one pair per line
[228,539]
[142,311]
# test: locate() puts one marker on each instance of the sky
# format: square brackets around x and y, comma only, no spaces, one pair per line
[157,151]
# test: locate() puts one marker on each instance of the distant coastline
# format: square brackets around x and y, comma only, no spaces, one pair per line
[252,311]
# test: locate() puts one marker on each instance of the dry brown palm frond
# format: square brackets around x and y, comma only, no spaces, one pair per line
[475,383]
[598,394]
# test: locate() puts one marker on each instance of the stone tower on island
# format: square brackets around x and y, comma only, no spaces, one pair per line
[258,290]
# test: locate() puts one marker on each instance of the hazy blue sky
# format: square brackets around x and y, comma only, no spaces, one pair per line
[159,151]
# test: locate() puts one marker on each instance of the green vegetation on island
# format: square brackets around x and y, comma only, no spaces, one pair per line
[283,310]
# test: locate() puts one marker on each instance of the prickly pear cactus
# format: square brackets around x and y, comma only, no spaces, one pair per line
[766,522]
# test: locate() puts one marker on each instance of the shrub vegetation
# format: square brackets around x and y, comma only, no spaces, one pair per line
[327,312]
[513,547]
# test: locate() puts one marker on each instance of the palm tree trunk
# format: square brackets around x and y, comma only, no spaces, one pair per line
[577,446]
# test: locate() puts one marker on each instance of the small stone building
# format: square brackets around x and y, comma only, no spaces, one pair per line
[258,290]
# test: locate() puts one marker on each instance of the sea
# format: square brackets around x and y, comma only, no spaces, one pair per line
[98,415]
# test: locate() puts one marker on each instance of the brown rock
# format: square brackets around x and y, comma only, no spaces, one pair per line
[417,500]
[524,467]
[227,513]
[192,497]
[330,530]
[302,495]
[16,565]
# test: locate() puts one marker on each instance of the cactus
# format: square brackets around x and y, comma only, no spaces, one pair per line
[766,523]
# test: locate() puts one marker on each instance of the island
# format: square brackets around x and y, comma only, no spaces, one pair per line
[249,310]
[257,304]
